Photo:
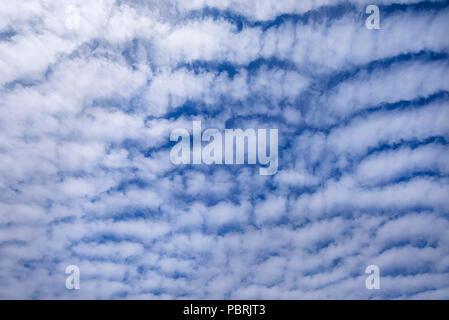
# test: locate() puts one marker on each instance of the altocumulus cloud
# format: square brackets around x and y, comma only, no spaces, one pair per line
[90,91]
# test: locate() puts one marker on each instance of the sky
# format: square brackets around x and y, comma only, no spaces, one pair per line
[90,91]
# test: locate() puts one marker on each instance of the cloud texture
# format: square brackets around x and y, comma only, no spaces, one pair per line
[90,91]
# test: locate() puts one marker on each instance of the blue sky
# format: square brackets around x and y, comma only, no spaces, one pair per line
[90,91]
